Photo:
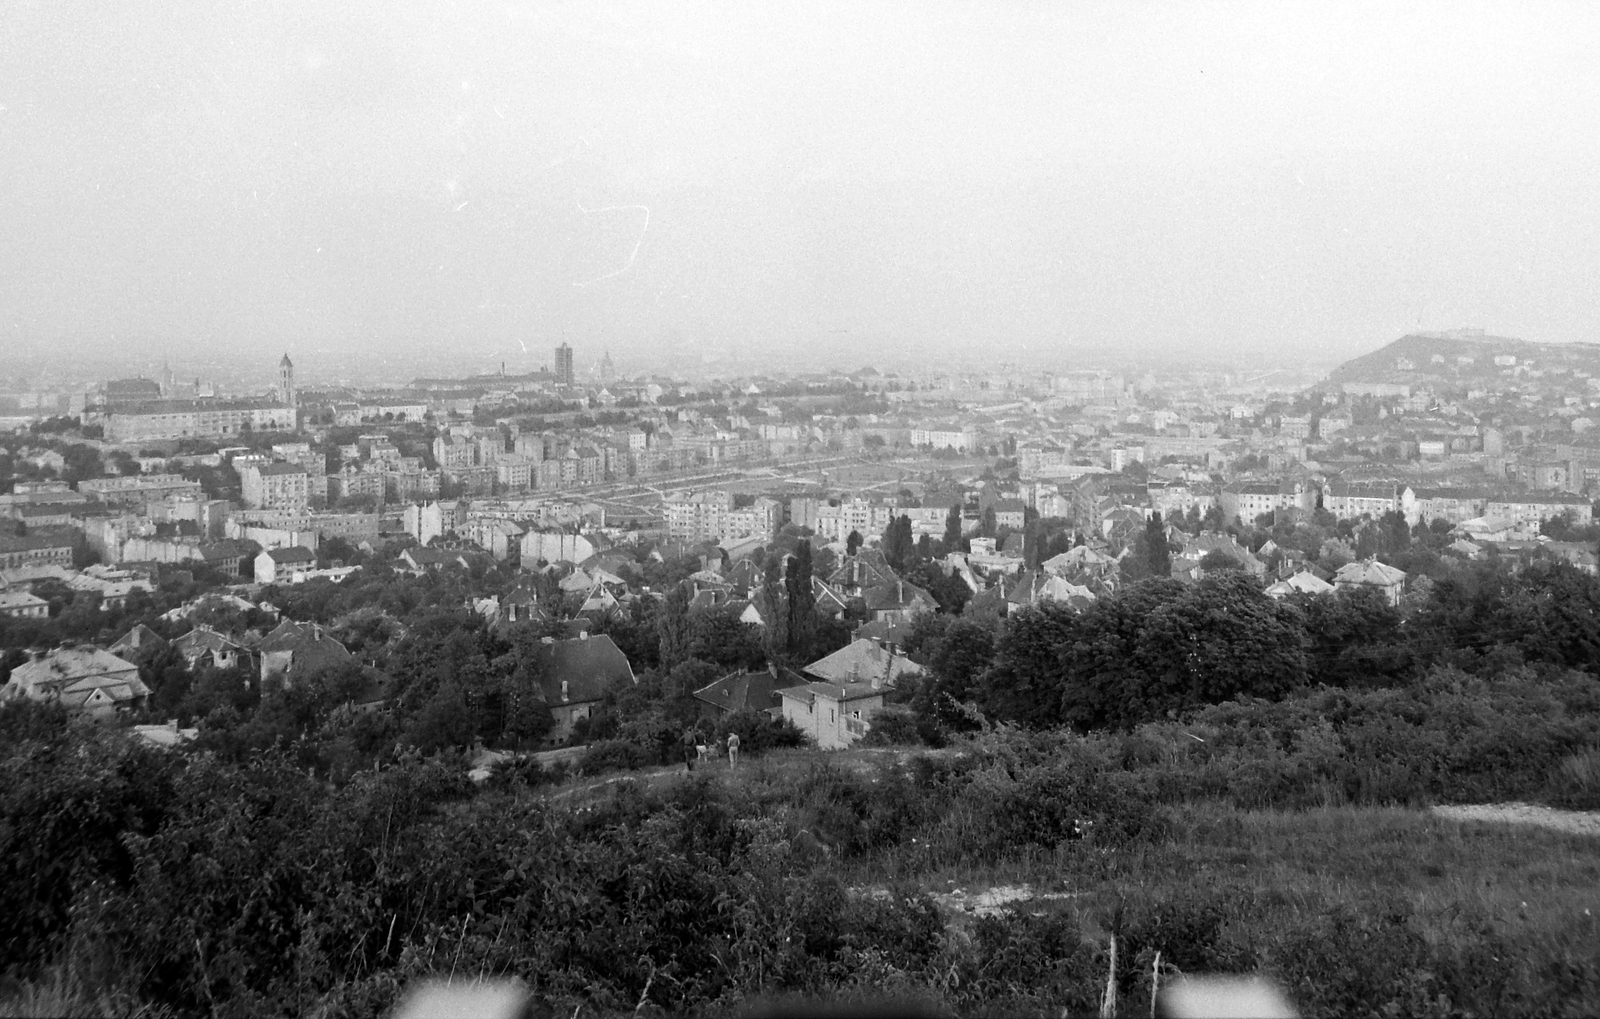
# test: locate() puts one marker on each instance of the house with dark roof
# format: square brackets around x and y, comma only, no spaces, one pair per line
[291,649]
[574,676]
[897,602]
[139,643]
[747,691]
[204,646]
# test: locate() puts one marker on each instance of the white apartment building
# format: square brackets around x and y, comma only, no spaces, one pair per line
[275,486]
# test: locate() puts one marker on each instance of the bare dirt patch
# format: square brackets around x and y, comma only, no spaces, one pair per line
[1576,822]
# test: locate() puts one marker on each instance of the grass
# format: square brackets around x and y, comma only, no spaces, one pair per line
[1347,905]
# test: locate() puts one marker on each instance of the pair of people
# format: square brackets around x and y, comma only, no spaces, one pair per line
[694,750]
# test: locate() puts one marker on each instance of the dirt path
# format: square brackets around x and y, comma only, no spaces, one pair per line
[1576,822]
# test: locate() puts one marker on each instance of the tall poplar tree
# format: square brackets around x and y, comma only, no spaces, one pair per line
[802,600]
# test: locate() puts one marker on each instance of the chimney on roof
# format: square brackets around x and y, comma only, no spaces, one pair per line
[772,667]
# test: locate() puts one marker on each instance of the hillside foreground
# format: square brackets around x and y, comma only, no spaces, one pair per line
[985,879]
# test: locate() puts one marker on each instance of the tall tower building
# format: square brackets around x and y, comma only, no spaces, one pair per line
[286,392]
[608,371]
[564,376]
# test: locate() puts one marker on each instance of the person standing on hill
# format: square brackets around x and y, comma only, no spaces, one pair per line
[733,749]
[689,749]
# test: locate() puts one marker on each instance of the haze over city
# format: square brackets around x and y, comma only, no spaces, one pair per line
[844,183]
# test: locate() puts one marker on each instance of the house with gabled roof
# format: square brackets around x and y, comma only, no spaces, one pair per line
[139,643]
[1304,582]
[275,565]
[574,675]
[204,646]
[747,691]
[23,605]
[862,659]
[83,679]
[834,715]
[898,602]
[431,560]
[291,649]
[1370,574]
[1035,588]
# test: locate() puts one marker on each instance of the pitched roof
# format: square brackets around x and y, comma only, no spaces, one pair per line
[140,638]
[588,665]
[291,555]
[740,691]
[1370,572]
[13,600]
[896,595]
[832,691]
[860,660]
[64,667]
[204,638]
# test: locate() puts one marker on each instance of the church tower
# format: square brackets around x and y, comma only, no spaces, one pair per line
[286,392]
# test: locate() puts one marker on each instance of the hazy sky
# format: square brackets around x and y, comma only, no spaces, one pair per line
[1012,177]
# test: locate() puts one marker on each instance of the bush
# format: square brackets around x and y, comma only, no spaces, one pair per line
[615,755]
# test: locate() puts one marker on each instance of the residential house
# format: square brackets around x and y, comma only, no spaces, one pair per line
[83,679]
[292,649]
[278,565]
[431,560]
[1229,546]
[1369,574]
[204,646]
[897,602]
[23,605]
[1038,588]
[574,676]
[139,643]
[747,691]
[1304,582]
[862,659]
[833,715]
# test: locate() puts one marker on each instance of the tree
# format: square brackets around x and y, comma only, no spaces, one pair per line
[1157,554]
[898,548]
[952,528]
[773,608]
[852,542]
[802,599]
[1221,639]
[674,625]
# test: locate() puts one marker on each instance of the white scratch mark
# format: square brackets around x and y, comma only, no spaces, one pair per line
[524,346]
[634,254]
[497,112]
[463,205]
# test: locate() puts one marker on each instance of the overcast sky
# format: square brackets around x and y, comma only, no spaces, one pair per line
[860,177]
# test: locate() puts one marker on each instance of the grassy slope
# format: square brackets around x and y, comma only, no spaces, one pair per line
[1346,904]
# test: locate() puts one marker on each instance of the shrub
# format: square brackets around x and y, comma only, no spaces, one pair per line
[615,755]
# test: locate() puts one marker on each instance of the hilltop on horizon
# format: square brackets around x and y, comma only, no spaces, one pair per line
[1460,357]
